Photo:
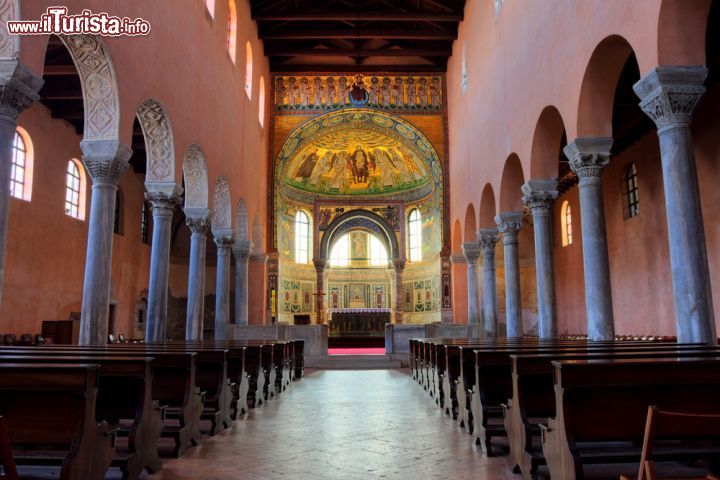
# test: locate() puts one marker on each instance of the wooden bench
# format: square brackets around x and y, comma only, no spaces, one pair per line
[124,393]
[67,434]
[533,397]
[600,409]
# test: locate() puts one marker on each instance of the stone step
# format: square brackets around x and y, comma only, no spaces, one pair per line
[357,362]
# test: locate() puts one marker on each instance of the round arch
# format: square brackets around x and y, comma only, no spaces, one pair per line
[511,181]
[159,143]
[595,105]
[361,218]
[196,180]
[222,209]
[470,224]
[99,86]
[682,26]
[546,144]
[487,208]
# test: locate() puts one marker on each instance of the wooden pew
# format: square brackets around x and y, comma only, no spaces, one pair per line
[173,385]
[68,432]
[533,395]
[600,409]
[7,461]
[124,393]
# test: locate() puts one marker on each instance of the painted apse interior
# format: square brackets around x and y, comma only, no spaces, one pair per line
[383,154]
[46,249]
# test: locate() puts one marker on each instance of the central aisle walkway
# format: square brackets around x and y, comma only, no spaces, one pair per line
[341,425]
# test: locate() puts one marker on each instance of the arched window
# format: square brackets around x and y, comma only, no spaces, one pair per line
[631,190]
[340,253]
[232,30]
[378,253]
[261,101]
[302,237]
[248,69]
[22,163]
[75,190]
[117,225]
[145,223]
[567,227]
[210,5]
[415,235]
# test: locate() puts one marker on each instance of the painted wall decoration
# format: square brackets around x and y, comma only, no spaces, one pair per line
[296,297]
[358,152]
[322,93]
[358,295]
[422,295]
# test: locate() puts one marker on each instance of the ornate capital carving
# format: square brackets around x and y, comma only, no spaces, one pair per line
[509,224]
[105,160]
[163,205]
[669,94]
[487,239]
[471,252]
[320,264]
[588,156]
[197,225]
[224,245]
[399,266]
[242,249]
[539,196]
[18,88]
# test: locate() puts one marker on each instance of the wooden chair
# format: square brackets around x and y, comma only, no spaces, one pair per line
[674,425]
[6,456]
[10,339]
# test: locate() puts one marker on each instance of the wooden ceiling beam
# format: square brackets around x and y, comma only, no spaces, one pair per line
[59,70]
[277,67]
[359,34]
[360,52]
[357,17]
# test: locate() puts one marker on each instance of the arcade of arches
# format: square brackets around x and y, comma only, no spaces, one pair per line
[498,168]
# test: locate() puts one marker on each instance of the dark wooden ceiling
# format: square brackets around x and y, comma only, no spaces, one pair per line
[348,35]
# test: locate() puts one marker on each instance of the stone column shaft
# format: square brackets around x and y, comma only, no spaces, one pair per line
[471,251]
[196,278]
[539,195]
[509,224]
[18,91]
[320,265]
[399,301]
[106,161]
[588,156]
[163,206]
[487,239]
[242,250]
[222,288]
[668,96]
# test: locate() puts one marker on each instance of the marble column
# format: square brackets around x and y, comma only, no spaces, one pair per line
[18,90]
[399,301]
[196,278]
[320,265]
[487,239]
[471,251]
[222,287]
[242,250]
[106,161]
[668,96]
[163,207]
[539,196]
[588,156]
[509,224]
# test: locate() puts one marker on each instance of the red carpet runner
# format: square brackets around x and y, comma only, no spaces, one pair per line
[356,351]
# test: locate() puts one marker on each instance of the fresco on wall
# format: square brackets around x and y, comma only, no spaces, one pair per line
[296,297]
[358,295]
[357,152]
[421,295]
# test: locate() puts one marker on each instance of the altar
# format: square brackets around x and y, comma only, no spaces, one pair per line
[358,322]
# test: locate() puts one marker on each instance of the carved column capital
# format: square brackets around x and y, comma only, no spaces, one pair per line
[399,265]
[588,156]
[162,204]
[18,88]
[106,160]
[242,249]
[487,239]
[471,252]
[668,94]
[539,196]
[224,245]
[198,225]
[509,224]
[320,264]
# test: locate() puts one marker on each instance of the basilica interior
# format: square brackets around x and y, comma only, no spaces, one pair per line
[329,218]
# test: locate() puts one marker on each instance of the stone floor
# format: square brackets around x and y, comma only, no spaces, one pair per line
[340,425]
